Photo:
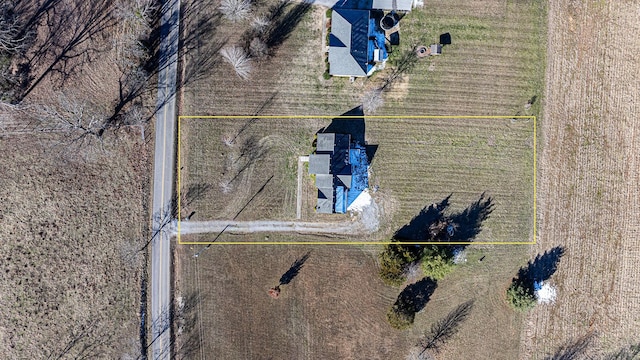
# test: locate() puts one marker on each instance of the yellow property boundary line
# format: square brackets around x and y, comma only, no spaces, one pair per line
[535,166]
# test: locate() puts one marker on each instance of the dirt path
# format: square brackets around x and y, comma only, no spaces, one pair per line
[301,159]
[588,197]
[202,227]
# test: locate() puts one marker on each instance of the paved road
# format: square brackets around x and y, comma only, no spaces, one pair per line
[164,163]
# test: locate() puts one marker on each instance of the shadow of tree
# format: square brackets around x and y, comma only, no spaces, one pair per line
[521,293]
[468,223]
[543,266]
[443,329]
[574,350]
[282,24]
[432,224]
[411,300]
[294,270]
[418,227]
[631,352]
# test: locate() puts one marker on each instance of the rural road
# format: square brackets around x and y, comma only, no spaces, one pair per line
[164,162]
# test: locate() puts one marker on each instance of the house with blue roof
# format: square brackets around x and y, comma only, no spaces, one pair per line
[356,43]
[341,169]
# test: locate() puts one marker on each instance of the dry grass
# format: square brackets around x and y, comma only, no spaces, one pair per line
[418,162]
[336,307]
[589,176]
[68,258]
[74,217]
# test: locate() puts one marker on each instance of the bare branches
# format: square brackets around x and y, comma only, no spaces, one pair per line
[235,10]
[140,11]
[80,119]
[11,38]
[239,59]
[372,100]
[445,328]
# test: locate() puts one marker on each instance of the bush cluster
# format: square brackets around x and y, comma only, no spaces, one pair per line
[520,295]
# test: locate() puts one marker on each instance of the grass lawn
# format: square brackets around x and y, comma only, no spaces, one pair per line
[336,306]
[418,162]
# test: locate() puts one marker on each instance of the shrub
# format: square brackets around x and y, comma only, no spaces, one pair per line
[394,260]
[521,296]
[235,10]
[399,319]
[437,261]
[239,59]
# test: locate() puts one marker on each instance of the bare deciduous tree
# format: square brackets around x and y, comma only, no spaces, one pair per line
[258,48]
[445,328]
[81,120]
[235,10]
[141,11]
[11,39]
[239,59]
[372,101]
[259,24]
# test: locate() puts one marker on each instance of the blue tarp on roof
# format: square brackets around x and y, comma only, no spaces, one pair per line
[359,172]
[341,206]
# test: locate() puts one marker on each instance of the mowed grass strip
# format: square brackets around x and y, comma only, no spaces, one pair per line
[493,66]
[422,161]
[249,168]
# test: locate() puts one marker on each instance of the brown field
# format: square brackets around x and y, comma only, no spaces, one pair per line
[588,194]
[69,256]
[74,215]
[335,308]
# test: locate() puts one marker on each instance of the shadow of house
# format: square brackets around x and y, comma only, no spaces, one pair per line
[294,270]
[397,5]
[414,297]
[340,162]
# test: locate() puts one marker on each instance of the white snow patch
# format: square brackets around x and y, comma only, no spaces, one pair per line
[546,294]
[459,255]
[367,210]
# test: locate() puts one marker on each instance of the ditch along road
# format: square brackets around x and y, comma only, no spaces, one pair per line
[164,162]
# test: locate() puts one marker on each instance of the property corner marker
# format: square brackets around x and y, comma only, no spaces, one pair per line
[347,242]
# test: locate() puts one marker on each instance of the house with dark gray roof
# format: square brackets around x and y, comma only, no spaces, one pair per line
[356,43]
[341,170]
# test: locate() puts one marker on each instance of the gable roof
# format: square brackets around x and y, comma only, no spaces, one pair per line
[348,43]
